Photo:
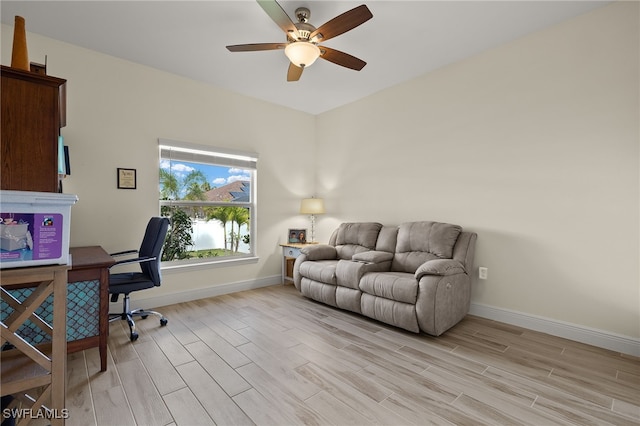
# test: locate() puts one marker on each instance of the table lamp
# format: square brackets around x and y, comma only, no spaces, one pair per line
[312,206]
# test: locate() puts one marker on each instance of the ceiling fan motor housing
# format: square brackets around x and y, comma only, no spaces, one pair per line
[304,27]
[305,31]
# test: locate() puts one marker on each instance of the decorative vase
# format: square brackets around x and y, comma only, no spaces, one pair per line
[19,54]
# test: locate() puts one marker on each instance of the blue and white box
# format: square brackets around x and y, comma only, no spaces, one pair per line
[35,228]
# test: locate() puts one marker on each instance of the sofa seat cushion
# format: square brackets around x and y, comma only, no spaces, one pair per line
[398,286]
[323,271]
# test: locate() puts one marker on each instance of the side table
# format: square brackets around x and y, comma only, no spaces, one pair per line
[290,251]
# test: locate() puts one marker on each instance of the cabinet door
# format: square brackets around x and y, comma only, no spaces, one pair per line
[30,129]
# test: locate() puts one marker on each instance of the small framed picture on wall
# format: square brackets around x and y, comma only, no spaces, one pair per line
[126,178]
[298,236]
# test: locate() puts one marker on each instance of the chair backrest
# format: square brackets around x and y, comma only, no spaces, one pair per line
[151,246]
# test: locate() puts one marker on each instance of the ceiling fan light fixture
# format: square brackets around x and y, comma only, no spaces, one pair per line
[302,53]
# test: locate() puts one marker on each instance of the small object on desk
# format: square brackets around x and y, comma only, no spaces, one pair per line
[39,68]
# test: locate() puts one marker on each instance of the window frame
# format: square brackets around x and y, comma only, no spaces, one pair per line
[204,154]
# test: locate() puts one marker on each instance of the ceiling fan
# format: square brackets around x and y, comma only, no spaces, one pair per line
[302,46]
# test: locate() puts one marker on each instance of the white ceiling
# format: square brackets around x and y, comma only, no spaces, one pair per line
[403,40]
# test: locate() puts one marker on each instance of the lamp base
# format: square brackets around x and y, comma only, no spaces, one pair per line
[313,228]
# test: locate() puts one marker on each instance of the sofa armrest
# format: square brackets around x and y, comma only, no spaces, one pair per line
[439,267]
[320,252]
[372,256]
[350,272]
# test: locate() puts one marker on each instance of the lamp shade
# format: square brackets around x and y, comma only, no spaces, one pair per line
[302,53]
[312,206]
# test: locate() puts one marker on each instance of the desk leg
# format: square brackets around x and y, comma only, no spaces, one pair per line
[103,323]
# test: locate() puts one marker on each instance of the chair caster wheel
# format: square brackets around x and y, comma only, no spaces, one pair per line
[163,322]
[134,336]
[144,316]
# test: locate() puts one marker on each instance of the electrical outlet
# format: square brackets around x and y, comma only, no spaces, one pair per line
[483,273]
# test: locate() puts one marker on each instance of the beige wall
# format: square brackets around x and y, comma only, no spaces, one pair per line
[533,145]
[116,110]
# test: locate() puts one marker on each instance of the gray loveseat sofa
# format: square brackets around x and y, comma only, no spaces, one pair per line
[415,276]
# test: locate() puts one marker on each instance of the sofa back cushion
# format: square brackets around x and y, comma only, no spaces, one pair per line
[352,238]
[421,241]
[387,239]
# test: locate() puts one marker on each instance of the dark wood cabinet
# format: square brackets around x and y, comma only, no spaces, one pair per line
[33,110]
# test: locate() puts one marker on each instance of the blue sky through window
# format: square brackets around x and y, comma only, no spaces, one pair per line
[217,176]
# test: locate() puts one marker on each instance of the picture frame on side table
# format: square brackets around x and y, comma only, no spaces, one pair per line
[126,178]
[297,236]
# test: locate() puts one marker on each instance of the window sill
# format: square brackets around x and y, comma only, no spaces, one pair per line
[178,266]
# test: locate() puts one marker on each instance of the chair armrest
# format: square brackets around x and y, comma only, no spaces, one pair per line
[372,256]
[123,253]
[439,267]
[136,260]
[320,252]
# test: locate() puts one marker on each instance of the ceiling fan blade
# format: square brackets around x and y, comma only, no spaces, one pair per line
[280,17]
[294,72]
[341,58]
[343,23]
[256,46]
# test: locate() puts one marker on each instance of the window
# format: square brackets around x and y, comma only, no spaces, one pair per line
[209,195]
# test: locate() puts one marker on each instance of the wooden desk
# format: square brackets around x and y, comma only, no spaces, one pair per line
[38,372]
[87,304]
[89,270]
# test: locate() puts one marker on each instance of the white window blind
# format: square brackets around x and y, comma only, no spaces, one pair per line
[194,153]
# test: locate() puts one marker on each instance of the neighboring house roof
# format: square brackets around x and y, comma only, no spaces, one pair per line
[234,191]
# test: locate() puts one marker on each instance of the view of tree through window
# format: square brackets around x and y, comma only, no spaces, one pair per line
[210,203]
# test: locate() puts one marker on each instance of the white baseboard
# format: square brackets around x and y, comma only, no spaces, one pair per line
[590,336]
[201,293]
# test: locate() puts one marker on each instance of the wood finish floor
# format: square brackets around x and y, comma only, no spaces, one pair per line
[271,357]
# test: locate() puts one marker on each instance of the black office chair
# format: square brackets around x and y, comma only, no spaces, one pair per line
[149,276]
